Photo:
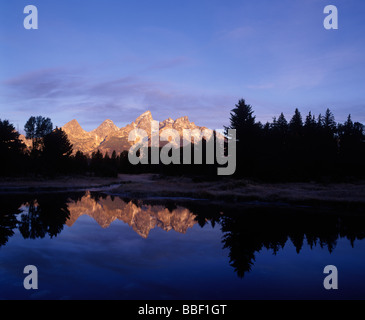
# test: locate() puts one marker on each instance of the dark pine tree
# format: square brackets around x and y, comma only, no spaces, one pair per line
[296,124]
[80,163]
[57,150]
[248,138]
[96,163]
[352,148]
[11,150]
[295,147]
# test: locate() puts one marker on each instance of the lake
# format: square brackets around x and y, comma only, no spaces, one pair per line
[89,245]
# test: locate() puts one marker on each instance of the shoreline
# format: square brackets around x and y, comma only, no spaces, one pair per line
[230,191]
[59,184]
[333,196]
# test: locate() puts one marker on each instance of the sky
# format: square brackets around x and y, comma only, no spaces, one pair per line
[93,60]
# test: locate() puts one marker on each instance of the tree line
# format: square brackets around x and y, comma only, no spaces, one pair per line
[297,149]
[50,152]
[309,148]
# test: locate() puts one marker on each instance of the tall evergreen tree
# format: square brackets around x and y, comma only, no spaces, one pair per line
[11,149]
[248,137]
[281,126]
[310,123]
[57,145]
[296,123]
[329,123]
[57,150]
[242,120]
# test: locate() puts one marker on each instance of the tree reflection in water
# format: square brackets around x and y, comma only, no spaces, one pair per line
[45,215]
[246,230]
[34,216]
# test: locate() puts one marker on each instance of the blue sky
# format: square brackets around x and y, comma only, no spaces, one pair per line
[114,59]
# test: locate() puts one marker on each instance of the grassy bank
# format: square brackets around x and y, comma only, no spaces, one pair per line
[226,189]
[240,190]
[54,184]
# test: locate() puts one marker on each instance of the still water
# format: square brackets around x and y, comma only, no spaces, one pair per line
[93,246]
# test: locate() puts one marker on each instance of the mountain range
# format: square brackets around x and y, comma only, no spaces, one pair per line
[109,137]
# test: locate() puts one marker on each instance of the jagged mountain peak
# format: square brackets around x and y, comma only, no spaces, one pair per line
[72,123]
[146,116]
[73,127]
[182,119]
[107,122]
[106,127]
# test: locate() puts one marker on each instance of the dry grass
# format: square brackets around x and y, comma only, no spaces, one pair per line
[66,182]
[230,190]
[241,190]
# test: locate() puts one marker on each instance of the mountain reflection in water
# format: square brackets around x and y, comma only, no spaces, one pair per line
[245,230]
[141,217]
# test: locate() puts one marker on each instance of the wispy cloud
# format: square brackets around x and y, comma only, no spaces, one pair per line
[45,83]
[57,92]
